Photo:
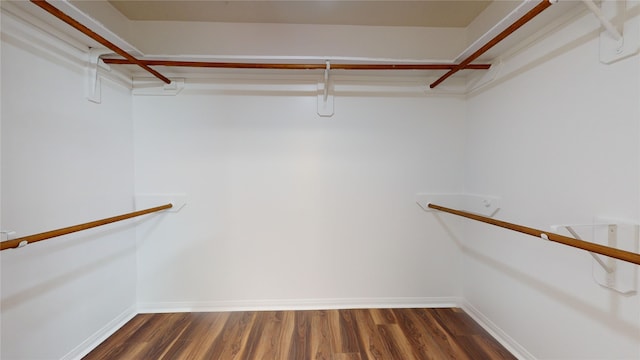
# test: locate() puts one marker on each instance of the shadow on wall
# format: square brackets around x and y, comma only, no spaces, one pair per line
[26,295]
[40,48]
[619,325]
[535,62]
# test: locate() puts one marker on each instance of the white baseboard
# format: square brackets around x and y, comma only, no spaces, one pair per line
[101,335]
[298,304]
[494,330]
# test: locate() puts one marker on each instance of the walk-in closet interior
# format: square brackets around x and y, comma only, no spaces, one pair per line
[373,162]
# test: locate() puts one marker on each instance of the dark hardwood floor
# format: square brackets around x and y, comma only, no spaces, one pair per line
[389,334]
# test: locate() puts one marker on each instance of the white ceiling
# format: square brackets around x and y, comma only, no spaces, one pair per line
[444,13]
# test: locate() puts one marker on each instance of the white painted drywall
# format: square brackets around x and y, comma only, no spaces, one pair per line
[299,40]
[557,138]
[278,40]
[65,161]
[286,207]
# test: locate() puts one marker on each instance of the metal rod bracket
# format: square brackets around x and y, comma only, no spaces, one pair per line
[325,93]
[93,82]
[612,274]
[620,37]
[6,234]
[486,205]
[606,23]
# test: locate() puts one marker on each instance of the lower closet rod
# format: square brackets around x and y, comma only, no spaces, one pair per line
[580,244]
[22,241]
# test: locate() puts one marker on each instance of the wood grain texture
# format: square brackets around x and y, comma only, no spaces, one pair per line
[580,244]
[97,37]
[13,243]
[252,65]
[362,334]
[542,5]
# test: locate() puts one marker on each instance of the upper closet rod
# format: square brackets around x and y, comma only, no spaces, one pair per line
[20,242]
[248,65]
[85,30]
[491,43]
[580,244]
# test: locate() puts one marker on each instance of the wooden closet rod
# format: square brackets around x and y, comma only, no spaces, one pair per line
[491,43]
[234,65]
[580,244]
[14,243]
[85,30]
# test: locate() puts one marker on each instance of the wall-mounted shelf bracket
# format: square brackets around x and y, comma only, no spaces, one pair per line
[619,276]
[6,234]
[326,80]
[149,86]
[487,77]
[480,204]
[325,94]
[620,37]
[145,200]
[93,82]
[595,256]
[606,23]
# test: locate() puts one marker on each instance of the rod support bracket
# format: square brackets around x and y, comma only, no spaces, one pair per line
[612,274]
[325,93]
[606,23]
[6,234]
[326,79]
[150,87]
[93,83]
[620,37]
[486,205]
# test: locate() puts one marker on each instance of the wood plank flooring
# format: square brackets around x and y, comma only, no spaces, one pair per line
[357,334]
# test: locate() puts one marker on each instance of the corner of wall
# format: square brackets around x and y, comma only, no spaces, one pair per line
[101,335]
[500,335]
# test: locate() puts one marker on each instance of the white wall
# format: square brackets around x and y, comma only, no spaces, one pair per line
[64,161]
[179,38]
[557,138]
[297,40]
[290,209]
